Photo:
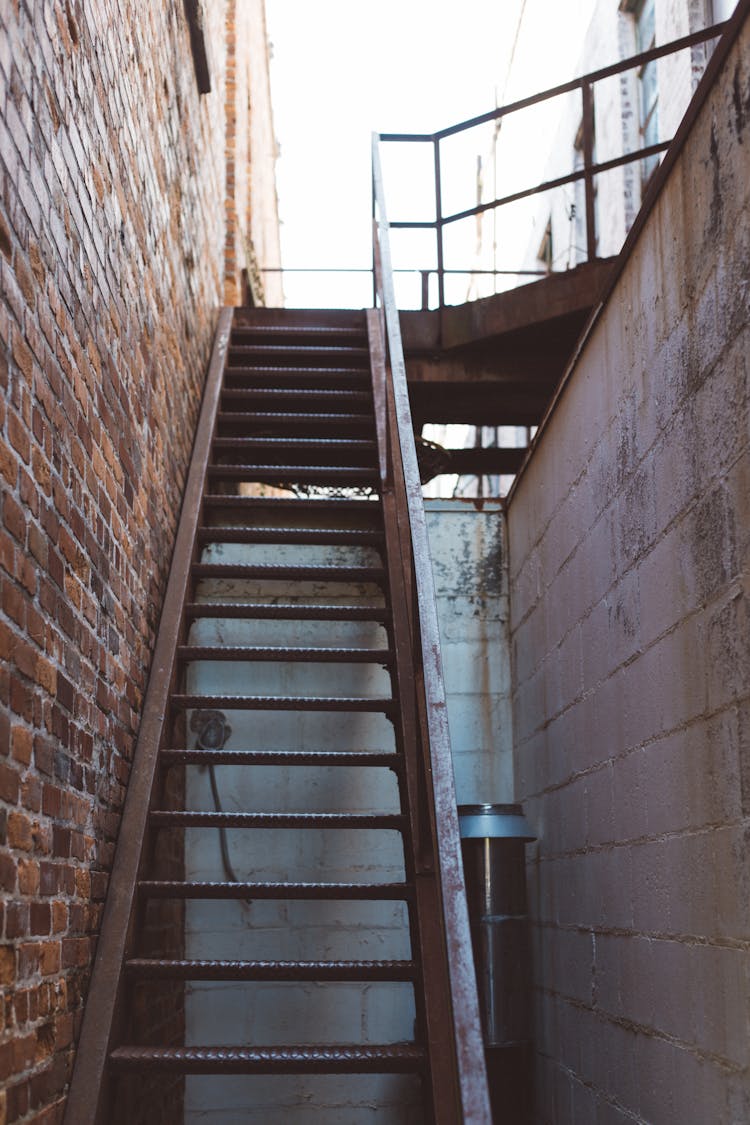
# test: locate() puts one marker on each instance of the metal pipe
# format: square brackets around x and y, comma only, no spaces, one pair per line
[492,846]
[587,97]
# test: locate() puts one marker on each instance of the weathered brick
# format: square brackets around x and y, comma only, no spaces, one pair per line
[8,464]
[103,348]
[7,966]
[9,784]
[14,518]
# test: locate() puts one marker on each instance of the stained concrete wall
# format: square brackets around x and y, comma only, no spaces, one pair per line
[467,543]
[629,563]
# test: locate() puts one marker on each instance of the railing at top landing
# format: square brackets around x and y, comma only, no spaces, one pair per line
[587,171]
[589,168]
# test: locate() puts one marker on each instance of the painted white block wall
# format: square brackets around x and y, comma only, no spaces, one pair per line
[467,542]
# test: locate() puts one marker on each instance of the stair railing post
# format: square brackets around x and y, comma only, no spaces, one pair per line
[439,222]
[587,97]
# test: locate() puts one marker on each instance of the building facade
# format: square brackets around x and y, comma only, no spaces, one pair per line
[639,107]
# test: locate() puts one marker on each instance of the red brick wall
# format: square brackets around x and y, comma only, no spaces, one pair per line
[112,173]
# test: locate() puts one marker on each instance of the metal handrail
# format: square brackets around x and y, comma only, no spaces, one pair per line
[438,820]
[587,172]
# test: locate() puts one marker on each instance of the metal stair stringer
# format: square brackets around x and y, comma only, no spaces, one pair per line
[84,1104]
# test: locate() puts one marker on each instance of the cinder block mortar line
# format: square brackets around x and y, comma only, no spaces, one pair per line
[703,717]
[693,940]
[652,1033]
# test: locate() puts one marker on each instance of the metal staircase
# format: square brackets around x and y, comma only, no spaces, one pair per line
[256,672]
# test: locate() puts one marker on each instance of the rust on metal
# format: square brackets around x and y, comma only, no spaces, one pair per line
[467,1055]
[87,1087]
[587,98]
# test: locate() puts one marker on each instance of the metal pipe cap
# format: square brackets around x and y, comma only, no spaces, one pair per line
[494,822]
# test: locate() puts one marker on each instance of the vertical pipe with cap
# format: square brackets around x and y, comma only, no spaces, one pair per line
[492,844]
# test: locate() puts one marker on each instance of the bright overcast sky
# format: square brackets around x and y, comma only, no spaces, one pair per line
[343,68]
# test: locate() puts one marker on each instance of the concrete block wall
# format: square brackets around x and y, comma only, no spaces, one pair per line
[469,563]
[629,545]
[112,189]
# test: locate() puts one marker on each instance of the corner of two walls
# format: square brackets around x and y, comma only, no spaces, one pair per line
[629,538]
[252,247]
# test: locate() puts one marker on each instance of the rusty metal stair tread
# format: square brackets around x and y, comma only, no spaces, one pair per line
[284,703]
[289,573]
[356,758]
[289,373]
[247,378]
[206,889]
[297,444]
[291,331]
[288,612]
[285,393]
[181,818]
[277,652]
[369,970]
[391,1058]
[268,418]
[288,503]
[299,474]
[226,533]
[298,351]
[296,330]
[238,451]
[314,378]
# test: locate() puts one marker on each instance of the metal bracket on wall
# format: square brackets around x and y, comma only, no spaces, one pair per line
[212,729]
[196,23]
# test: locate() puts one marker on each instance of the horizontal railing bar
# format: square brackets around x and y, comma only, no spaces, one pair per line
[330,269]
[399,138]
[641,59]
[423,269]
[321,269]
[560,181]
[492,273]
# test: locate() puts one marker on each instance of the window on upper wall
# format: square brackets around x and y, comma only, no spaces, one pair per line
[579,235]
[720,10]
[644,14]
[544,253]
